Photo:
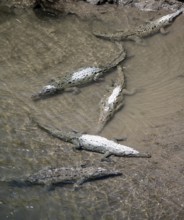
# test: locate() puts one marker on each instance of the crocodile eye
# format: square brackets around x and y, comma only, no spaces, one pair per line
[47,90]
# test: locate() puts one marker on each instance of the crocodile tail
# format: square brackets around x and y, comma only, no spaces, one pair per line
[118,59]
[110,37]
[100,126]
[53,132]
[99,129]
[19,183]
[102,35]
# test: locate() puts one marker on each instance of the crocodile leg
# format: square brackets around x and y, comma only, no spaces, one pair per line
[106,156]
[120,105]
[74,90]
[163,31]
[77,145]
[141,155]
[98,77]
[119,139]
[130,92]
[135,38]
[80,182]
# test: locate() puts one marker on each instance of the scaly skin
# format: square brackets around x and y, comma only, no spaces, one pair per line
[66,175]
[94,143]
[112,102]
[143,30]
[78,78]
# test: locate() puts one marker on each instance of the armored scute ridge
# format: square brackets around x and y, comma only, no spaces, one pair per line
[142,30]
[65,175]
[94,143]
[113,101]
[79,78]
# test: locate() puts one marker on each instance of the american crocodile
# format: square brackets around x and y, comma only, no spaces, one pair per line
[65,175]
[94,143]
[79,78]
[142,31]
[112,102]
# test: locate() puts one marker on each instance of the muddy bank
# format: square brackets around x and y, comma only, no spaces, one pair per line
[90,8]
[33,51]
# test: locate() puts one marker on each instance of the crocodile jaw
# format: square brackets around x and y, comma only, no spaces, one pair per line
[46,91]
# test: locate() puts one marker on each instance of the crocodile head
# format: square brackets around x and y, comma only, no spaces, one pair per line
[46,91]
[100,173]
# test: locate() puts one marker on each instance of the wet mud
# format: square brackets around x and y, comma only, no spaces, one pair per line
[33,50]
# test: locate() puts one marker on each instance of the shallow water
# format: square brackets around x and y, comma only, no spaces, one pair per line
[35,50]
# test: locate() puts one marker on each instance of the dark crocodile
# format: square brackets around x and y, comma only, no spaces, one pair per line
[65,175]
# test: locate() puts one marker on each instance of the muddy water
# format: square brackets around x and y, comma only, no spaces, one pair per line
[35,50]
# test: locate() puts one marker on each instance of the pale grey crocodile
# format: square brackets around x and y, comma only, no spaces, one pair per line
[79,78]
[113,101]
[65,175]
[94,143]
[142,31]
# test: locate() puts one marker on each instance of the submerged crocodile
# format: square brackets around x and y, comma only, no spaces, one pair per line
[65,175]
[78,78]
[112,102]
[143,30]
[94,143]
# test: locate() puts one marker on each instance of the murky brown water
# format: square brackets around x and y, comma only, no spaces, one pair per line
[33,51]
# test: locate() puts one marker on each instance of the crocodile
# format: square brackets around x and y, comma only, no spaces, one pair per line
[53,177]
[94,143]
[79,78]
[112,102]
[143,30]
